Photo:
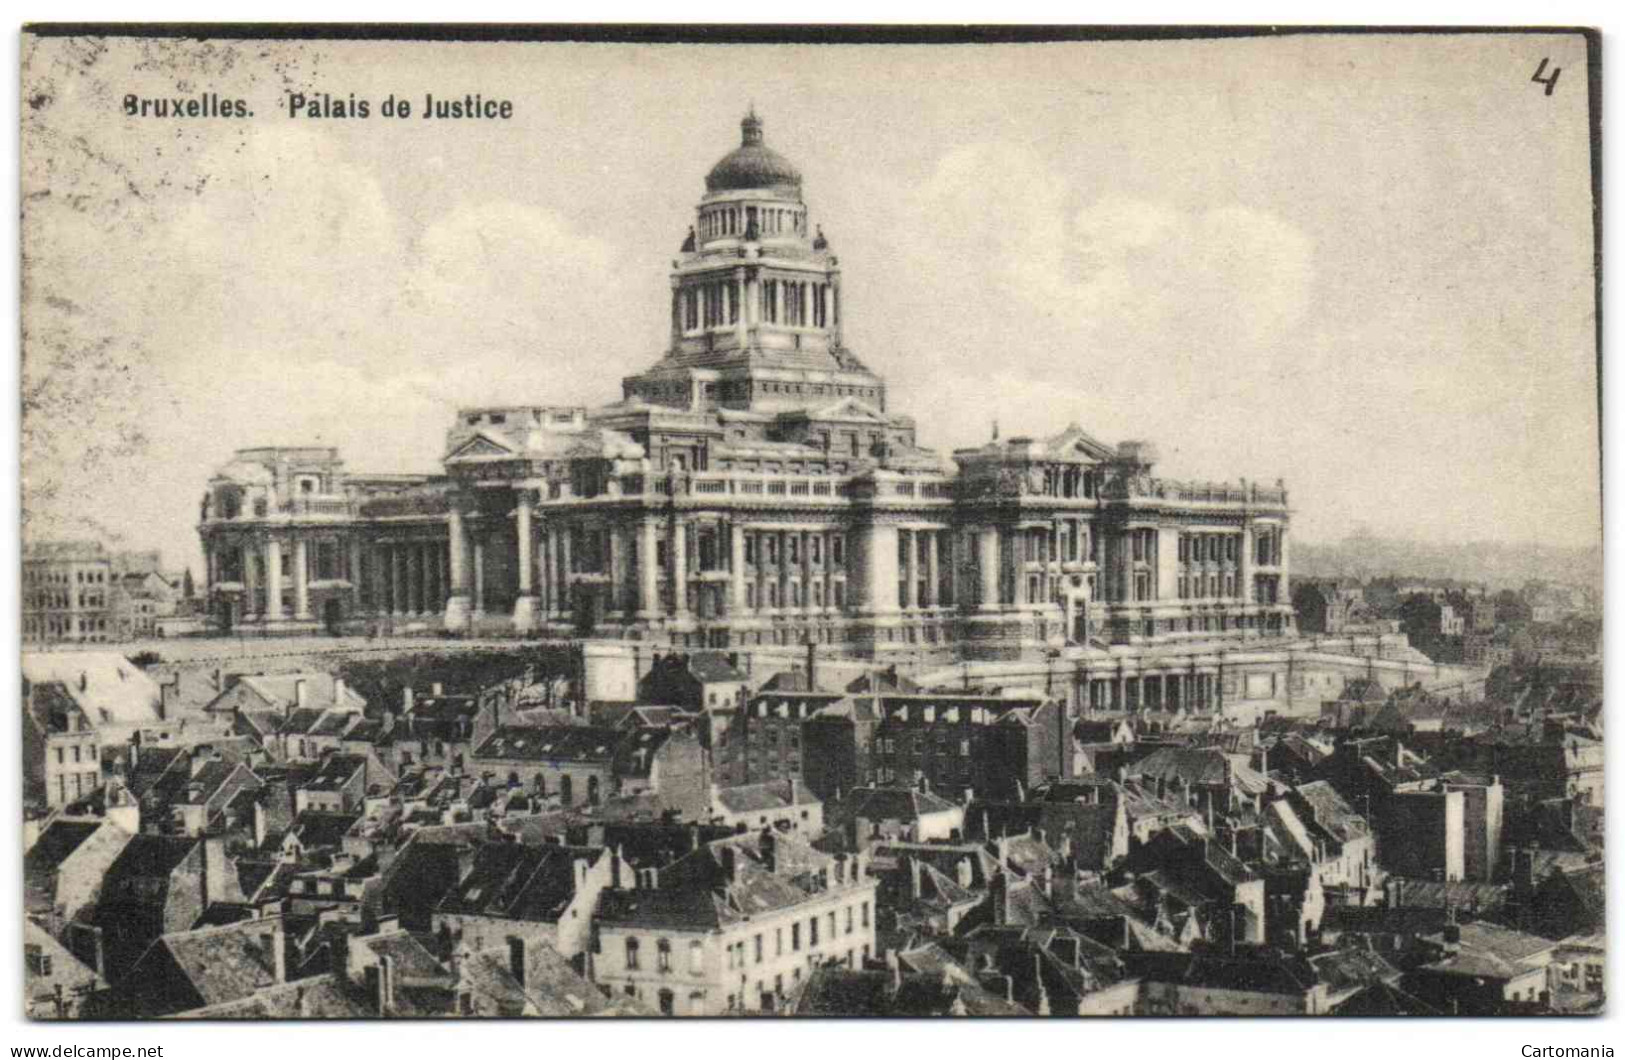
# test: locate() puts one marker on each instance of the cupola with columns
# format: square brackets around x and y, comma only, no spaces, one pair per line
[755,298]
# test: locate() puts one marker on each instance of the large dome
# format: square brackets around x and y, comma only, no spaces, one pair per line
[752,164]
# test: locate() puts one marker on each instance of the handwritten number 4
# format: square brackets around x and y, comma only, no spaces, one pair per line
[1549,82]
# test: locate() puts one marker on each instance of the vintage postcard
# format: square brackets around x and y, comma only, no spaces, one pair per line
[640,522]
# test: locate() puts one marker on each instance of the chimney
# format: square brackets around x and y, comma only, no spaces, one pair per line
[516,956]
[1038,978]
[728,856]
[437,689]
[895,967]
[338,693]
[386,984]
[84,680]
[169,694]
[769,846]
[862,832]
[217,680]
[216,871]
[581,874]
[300,699]
[406,700]
[273,944]
[914,878]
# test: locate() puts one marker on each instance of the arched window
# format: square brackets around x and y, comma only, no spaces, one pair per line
[663,955]
[566,789]
[632,954]
[539,782]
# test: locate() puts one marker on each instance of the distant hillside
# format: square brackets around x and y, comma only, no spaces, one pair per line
[1499,564]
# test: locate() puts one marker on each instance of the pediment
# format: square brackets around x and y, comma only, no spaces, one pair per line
[849,409]
[481,445]
[1075,441]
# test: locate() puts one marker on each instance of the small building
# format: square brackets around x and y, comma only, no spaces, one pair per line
[56,984]
[783,805]
[735,927]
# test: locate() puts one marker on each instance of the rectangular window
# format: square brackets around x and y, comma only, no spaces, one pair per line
[865,912]
[795,938]
[812,931]
[758,949]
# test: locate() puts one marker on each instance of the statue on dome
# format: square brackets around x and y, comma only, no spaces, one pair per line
[819,242]
[688,244]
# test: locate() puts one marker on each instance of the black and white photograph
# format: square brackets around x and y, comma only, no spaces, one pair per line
[752,522]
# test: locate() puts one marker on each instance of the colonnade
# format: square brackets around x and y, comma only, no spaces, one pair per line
[1167,690]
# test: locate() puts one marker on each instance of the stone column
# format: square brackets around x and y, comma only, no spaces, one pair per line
[251,582]
[415,589]
[736,568]
[301,586]
[933,572]
[524,608]
[615,561]
[807,606]
[987,548]
[479,574]
[741,323]
[566,597]
[355,573]
[457,603]
[911,568]
[550,570]
[648,570]
[1285,596]
[875,566]
[679,568]
[1244,564]
[397,581]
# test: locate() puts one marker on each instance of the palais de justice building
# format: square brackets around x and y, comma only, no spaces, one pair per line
[754,486]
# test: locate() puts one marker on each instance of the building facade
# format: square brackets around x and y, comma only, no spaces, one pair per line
[752,487]
[67,591]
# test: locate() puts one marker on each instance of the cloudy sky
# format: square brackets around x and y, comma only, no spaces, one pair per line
[1361,264]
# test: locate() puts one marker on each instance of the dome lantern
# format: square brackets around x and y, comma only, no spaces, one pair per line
[752,164]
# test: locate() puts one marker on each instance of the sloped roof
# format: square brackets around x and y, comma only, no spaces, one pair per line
[317,830]
[521,882]
[766,796]
[280,690]
[115,692]
[893,804]
[711,666]
[1332,812]
[1385,999]
[580,743]
[221,964]
[59,839]
[1200,766]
